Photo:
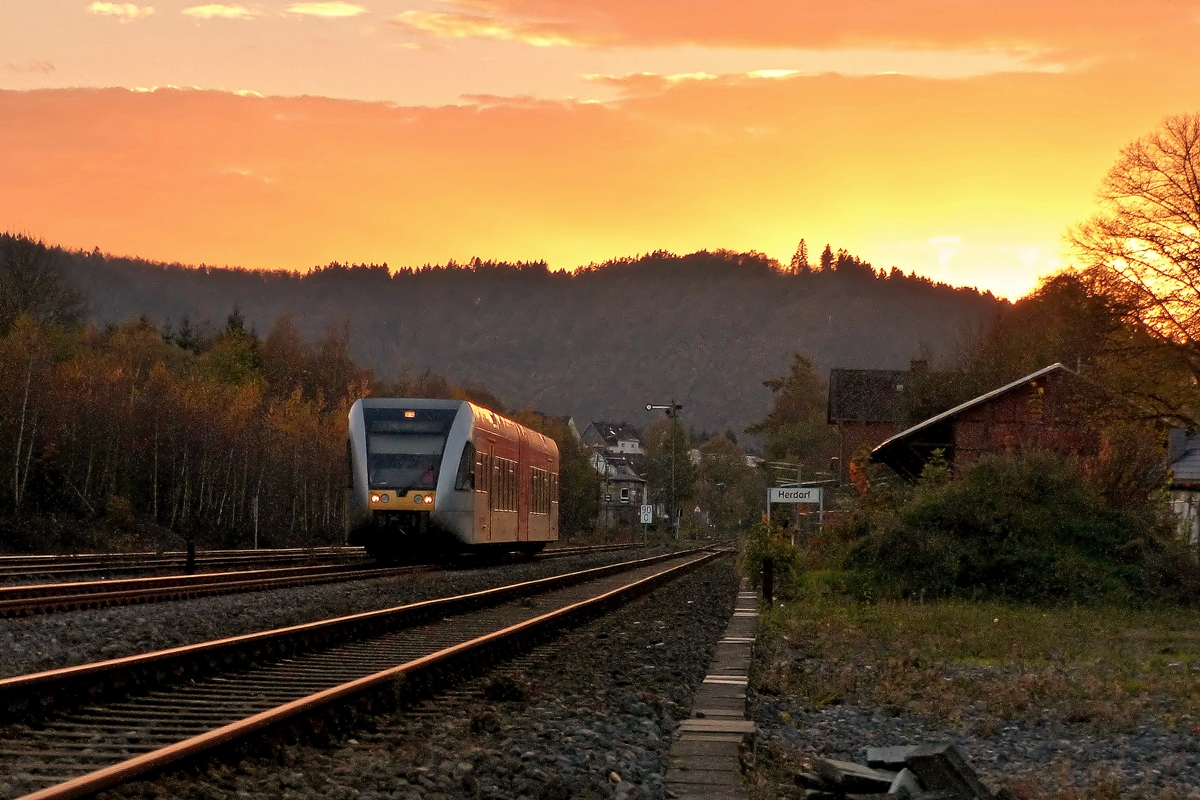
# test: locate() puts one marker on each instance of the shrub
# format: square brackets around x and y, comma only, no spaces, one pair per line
[1026,525]
[767,540]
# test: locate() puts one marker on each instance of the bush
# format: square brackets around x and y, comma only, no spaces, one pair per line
[1027,525]
[766,540]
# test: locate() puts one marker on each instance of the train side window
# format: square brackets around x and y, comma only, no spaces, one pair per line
[512,485]
[465,479]
[497,498]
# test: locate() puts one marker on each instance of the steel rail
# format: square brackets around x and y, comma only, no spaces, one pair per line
[35,694]
[28,599]
[16,566]
[186,587]
[473,654]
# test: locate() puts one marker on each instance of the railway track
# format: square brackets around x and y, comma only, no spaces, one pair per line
[190,700]
[27,599]
[33,566]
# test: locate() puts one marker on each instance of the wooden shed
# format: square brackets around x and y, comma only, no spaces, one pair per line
[1041,410]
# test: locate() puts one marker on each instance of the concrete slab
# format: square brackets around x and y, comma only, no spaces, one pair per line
[705,758]
[703,777]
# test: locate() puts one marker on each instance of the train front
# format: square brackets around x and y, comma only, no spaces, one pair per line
[398,454]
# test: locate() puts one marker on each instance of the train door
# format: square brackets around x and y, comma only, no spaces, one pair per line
[483,491]
[524,474]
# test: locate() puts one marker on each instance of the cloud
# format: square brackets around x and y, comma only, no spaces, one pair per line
[220,11]
[330,10]
[44,67]
[449,25]
[1035,24]
[637,84]
[125,11]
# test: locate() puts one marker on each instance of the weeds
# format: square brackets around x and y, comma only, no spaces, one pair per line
[1107,667]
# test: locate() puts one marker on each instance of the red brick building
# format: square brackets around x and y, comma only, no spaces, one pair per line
[868,405]
[1040,410]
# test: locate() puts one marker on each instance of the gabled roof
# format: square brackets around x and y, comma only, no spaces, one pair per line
[1185,467]
[980,400]
[614,432]
[867,395]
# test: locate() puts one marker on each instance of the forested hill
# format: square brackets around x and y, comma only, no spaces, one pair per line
[600,343]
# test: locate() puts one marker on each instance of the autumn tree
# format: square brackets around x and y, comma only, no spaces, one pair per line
[726,487]
[795,428]
[32,284]
[1141,250]
[670,473]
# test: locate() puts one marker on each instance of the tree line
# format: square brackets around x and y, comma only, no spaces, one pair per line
[215,435]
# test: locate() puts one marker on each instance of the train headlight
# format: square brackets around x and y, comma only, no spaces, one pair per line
[428,499]
[374,498]
[385,498]
[416,498]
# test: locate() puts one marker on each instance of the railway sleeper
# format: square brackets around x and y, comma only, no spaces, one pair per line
[32,706]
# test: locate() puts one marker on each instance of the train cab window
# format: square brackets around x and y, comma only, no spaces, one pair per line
[405,452]
[465,479]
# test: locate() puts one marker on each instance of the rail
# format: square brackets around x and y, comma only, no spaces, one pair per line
[28,599]
[385,665]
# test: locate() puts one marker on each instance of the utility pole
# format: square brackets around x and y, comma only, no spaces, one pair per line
[672,410]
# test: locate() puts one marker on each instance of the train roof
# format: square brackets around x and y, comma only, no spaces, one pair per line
[499,423]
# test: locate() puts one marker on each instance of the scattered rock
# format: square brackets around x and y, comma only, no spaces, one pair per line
[892,758]
[846,776]
[906,783]
[942,767]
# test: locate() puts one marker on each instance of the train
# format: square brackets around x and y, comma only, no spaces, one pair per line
[430,478]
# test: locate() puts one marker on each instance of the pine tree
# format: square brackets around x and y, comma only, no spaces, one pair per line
[799,264]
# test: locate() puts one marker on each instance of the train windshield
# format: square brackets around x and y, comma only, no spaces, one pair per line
[404,447]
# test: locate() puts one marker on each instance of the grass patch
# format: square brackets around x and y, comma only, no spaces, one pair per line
[952,660]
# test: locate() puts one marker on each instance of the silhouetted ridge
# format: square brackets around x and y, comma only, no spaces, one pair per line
[705,328]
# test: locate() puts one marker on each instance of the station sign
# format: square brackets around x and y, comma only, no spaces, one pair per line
[793,494]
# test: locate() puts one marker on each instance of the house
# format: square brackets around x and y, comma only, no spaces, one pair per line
[622,490]
[1042,409]
[619,438]
[868,405]
[1183,461]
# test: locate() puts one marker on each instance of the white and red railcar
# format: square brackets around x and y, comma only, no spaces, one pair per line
[430,476]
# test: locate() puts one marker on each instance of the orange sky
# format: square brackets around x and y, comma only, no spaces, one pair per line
[958,139]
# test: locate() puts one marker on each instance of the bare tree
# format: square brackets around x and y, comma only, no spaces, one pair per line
[1142,249]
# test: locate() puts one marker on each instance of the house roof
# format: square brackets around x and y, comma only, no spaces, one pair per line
[614,432]
[618,467]
[1185,468]
[980,400]
[866,395]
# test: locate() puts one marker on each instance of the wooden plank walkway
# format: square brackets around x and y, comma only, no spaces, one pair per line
[704,759]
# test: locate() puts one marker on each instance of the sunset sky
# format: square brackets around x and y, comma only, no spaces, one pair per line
[957,139]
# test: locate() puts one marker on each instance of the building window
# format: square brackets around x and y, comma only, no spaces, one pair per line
[624,495]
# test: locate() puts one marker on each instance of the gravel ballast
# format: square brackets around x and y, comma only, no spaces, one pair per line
[589,715]
[49,641]
[1151,760]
